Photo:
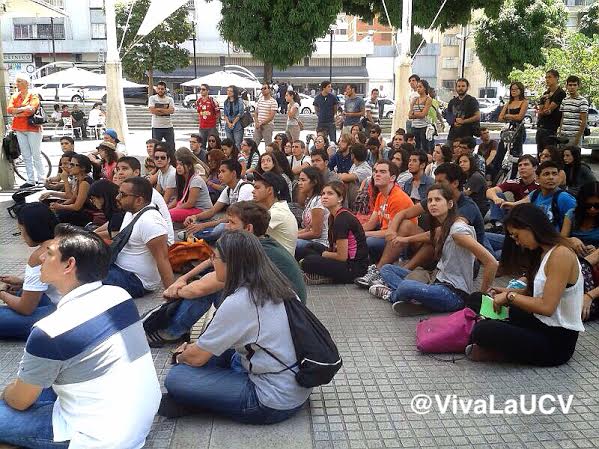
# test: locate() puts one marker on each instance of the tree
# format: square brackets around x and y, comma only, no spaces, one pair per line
[278,32]
[589,22]
[578,56]
[159,50]
[518,35]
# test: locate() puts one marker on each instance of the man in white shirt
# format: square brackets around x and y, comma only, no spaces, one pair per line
[143,263]
[161,107]
[86,378]
[202,225]
[298,159]
[166,182]
[264,116]
[270,192]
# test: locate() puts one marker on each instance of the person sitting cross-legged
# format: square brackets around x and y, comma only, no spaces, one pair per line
[199,295]
[28,299]
[455,248]
[214,374]
[87,377]
[143,262]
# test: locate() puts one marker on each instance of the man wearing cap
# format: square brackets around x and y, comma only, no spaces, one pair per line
[111,136]
[271,192]
[21,106]
[161,107]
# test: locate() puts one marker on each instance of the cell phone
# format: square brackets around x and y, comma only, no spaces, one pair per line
[487,310]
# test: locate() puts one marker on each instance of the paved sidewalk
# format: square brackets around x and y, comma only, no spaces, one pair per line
[368,405]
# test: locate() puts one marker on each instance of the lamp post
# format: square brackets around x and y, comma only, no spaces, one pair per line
[464,38]
[331,33]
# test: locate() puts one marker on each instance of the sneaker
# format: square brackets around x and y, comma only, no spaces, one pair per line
[409,308]
[169,408]
[381,291]
[27,185]
[316,279]
[160,339]
[373,274]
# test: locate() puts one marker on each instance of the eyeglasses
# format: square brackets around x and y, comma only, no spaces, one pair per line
[123,194]
[64,143]
[74,165]
[160,158]
[592,206]
[212,140]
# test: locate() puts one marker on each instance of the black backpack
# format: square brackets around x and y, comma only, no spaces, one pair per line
[10,146]
[120,240]
[554,207]
[19,198]
[318,359]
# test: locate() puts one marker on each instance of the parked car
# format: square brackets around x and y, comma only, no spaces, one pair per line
[47,92]
[219,95]
[307,104]
[388,107]
[593,117]
[136,95]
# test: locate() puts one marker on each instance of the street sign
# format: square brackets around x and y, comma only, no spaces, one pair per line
[18,58]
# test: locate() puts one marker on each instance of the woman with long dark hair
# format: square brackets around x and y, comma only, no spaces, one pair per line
[105,164]
[475,185]
[102,195]
[28,299]
[249,148]
[213,142]
[75,209]
[233,109]
[285,167]
[346,257]
[281,139]
[419,108]
[577,172]
[441,155]
[545,316]
[293,123]
[513,112]
[192,192]
[314,229]
[455,249]
[215,373]
[215,186]
[400,157]
[581,224]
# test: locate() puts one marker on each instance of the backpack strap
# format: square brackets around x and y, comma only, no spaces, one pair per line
[555,206]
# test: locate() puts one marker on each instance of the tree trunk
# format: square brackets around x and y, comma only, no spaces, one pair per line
[150,74]
[268,72]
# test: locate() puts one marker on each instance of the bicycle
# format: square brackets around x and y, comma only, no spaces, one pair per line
[18,164]
[508,137]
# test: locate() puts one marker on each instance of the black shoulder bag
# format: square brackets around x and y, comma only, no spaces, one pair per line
[120,240]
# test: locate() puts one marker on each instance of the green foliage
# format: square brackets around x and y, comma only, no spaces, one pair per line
[278,32]
[589,22]
[455,12]
[159,50]
[578,56]
[518,35]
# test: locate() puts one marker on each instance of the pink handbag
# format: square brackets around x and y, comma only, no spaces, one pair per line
[445,334]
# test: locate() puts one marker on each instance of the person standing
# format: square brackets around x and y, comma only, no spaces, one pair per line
[372,109]
[161,107]
[418,112]
[79,122]
[326,105]
[233,109]
[549,114]
[209,114]
[354,108]
[413,80]
[292,101]
[22,105]
[264,116]
[575,109]
[463,113]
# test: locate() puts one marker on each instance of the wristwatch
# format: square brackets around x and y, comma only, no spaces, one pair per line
[510,298]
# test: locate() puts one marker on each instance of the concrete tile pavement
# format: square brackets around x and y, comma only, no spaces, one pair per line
[368,405]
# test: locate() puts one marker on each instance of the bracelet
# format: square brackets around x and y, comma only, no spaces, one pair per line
[511,296]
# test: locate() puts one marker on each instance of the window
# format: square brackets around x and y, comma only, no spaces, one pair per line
[23,31]
[450,63]
[448,84]
[451,40]
[44,31]
[98,23]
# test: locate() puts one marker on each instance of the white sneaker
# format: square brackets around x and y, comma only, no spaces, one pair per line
[366,280]
[381,291]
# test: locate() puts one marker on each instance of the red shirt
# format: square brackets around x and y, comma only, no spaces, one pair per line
[518,188]
[21,123]
[208,112]
[386,207]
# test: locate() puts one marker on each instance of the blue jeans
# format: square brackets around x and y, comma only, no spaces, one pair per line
[30,144]
[168,134]
[436,297]
[126,280]
[190,311]
[30,428]
[17,326]
[211,235]
[376,246]
[496,241]
[497,213]
[222,386]
[235,134]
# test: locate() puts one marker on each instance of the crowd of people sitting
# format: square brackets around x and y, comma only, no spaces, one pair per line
[416,225]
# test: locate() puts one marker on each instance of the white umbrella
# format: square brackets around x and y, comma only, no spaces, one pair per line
[222,78]
[77,77]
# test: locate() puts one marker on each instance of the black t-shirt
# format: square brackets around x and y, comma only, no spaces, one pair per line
[345,226]
[464,108]
[327,106]
[552,121]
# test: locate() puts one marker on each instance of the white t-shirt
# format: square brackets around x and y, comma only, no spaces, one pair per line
[311,204]
[283,226]
[161,121]
[243,191]
[158,201]
[33,283]
[167,180]
[136,257]
[303,160]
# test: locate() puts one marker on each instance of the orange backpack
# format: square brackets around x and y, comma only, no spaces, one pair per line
[181,253]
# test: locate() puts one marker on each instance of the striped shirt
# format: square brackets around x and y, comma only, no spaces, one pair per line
[374,110]
[571,109]
[265,107]
[94,354]
[418,106]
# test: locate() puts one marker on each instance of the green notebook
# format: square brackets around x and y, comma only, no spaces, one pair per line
[486,309]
